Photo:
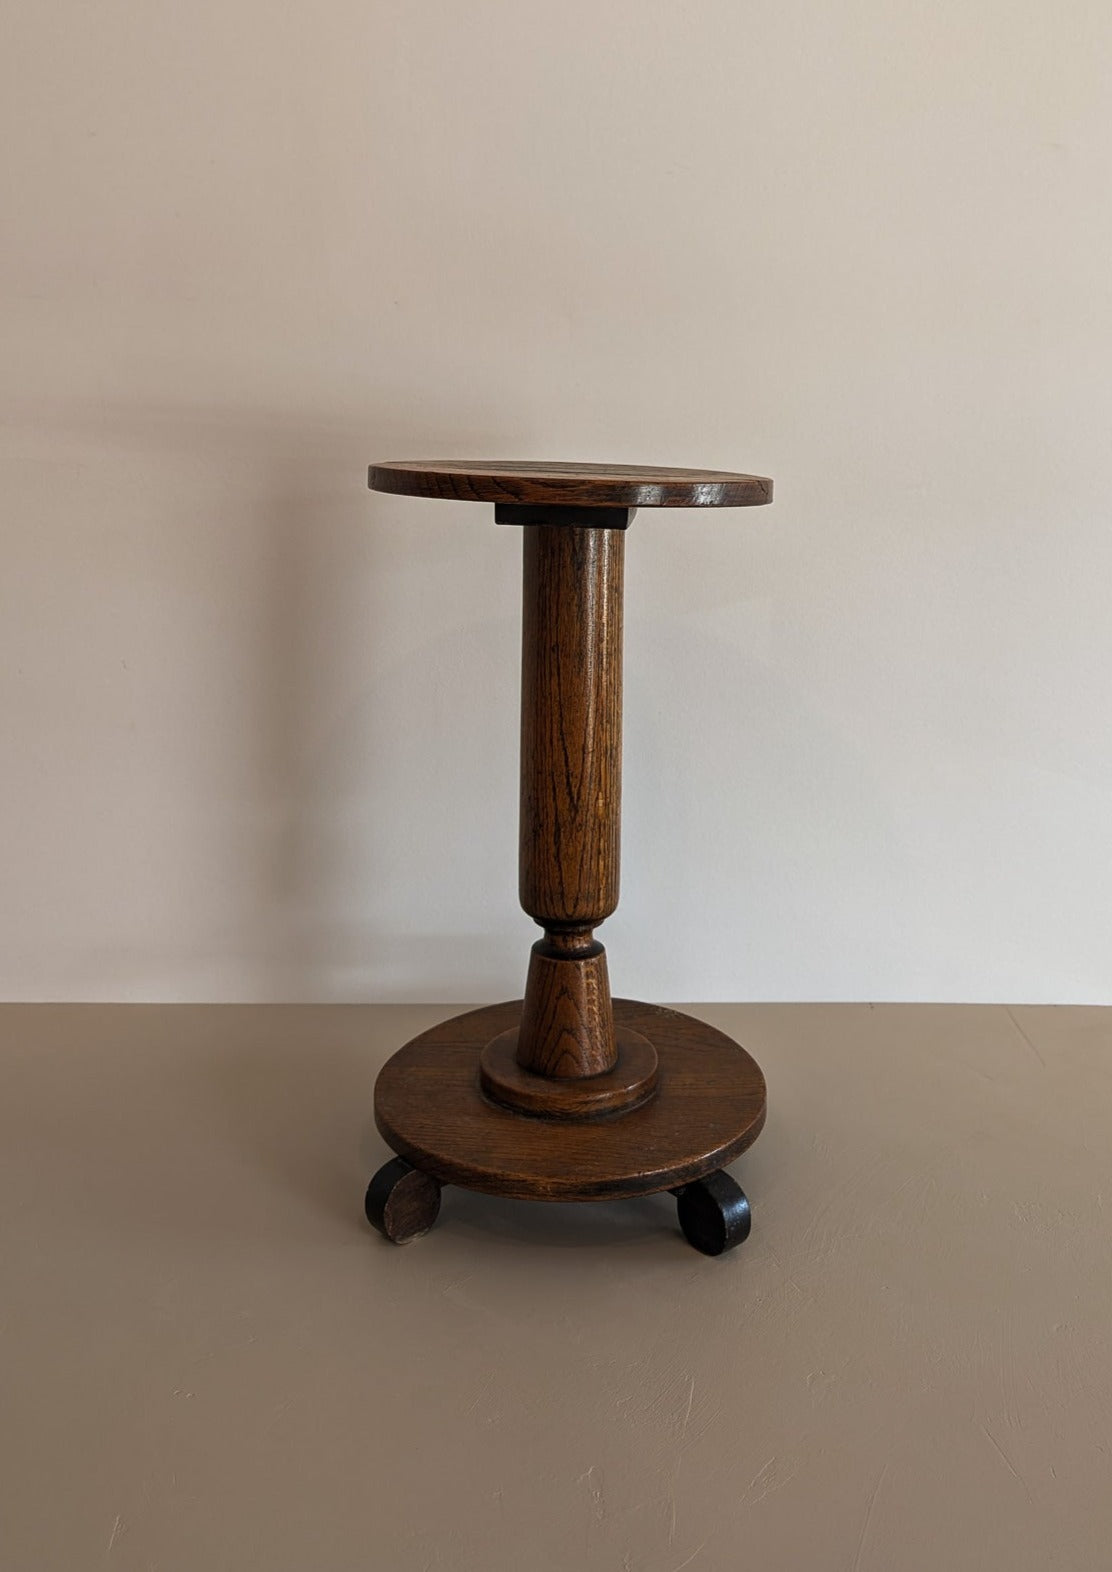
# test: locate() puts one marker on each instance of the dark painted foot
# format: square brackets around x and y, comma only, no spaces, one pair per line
[714,1213]
[402,1202]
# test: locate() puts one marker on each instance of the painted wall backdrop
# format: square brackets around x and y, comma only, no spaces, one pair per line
[259,726]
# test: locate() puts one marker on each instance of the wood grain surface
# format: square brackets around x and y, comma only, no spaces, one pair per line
[633,1079]
[588,485]
[571,781]
[709,1106]
[571,724]
[567,1022]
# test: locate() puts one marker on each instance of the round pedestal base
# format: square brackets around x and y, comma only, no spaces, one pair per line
[708,1106]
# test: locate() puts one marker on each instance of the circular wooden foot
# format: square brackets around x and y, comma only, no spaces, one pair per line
[714,1214]
[402,1202]
[708,1107]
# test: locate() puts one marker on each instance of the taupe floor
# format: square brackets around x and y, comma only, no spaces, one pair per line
[208,1362]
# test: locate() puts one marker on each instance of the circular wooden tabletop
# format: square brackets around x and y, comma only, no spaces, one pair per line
[571,485]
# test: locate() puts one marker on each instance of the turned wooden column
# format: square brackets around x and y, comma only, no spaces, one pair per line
[571,783]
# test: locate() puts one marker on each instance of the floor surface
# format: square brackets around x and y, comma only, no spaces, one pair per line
[208,1363]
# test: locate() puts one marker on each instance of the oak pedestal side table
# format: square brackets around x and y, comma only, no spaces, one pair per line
[568,1095]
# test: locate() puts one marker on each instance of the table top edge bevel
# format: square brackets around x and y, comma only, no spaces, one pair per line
[578,485]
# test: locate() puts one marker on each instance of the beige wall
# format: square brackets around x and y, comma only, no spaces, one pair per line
[259,730]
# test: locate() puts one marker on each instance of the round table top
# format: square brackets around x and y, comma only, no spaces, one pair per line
[571,485]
